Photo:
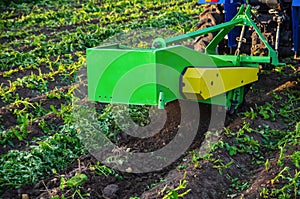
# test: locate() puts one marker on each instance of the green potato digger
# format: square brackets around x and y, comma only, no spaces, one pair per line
[167,72]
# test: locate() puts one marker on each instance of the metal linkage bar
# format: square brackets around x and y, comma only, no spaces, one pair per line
[242,18]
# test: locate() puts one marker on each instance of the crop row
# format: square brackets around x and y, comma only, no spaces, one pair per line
[37,84]
[80,40]
[108,20]
[88,10]
[43,48]
[54,20]
[23,113]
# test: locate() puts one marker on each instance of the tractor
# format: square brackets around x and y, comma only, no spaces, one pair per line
[278,20]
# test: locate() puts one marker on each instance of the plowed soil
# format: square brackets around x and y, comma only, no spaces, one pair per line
[204,181]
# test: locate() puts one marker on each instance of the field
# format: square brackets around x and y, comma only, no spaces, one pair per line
[43,47]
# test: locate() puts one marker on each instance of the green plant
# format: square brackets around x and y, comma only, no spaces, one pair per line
[238,185]
[181,167]
[26,167]
[195,159]
[174,193]
[231,149]
[264,192]
[251,114]
[296,158]
[267,111]
[281,155]
[267,165]
[140,114]
[219,165]
[73,183]
[150,186]
[104,170]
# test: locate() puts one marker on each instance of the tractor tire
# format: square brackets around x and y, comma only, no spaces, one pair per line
[211,16]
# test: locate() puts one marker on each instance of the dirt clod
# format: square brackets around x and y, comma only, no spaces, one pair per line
[110,191]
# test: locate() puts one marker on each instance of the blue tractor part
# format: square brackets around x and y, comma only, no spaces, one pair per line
[296,26]
[231,7]
[211,1]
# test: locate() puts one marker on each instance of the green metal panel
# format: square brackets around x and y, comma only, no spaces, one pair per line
[121,75]
[139,76]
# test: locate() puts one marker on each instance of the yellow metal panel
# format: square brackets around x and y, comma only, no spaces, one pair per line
[210,82]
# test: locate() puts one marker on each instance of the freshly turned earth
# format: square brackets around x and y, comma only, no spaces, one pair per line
[204,181]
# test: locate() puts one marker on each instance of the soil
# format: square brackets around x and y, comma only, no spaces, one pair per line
[204,181]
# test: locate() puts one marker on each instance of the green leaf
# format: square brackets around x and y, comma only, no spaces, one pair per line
[77,180]
[62,183]
[18,135]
